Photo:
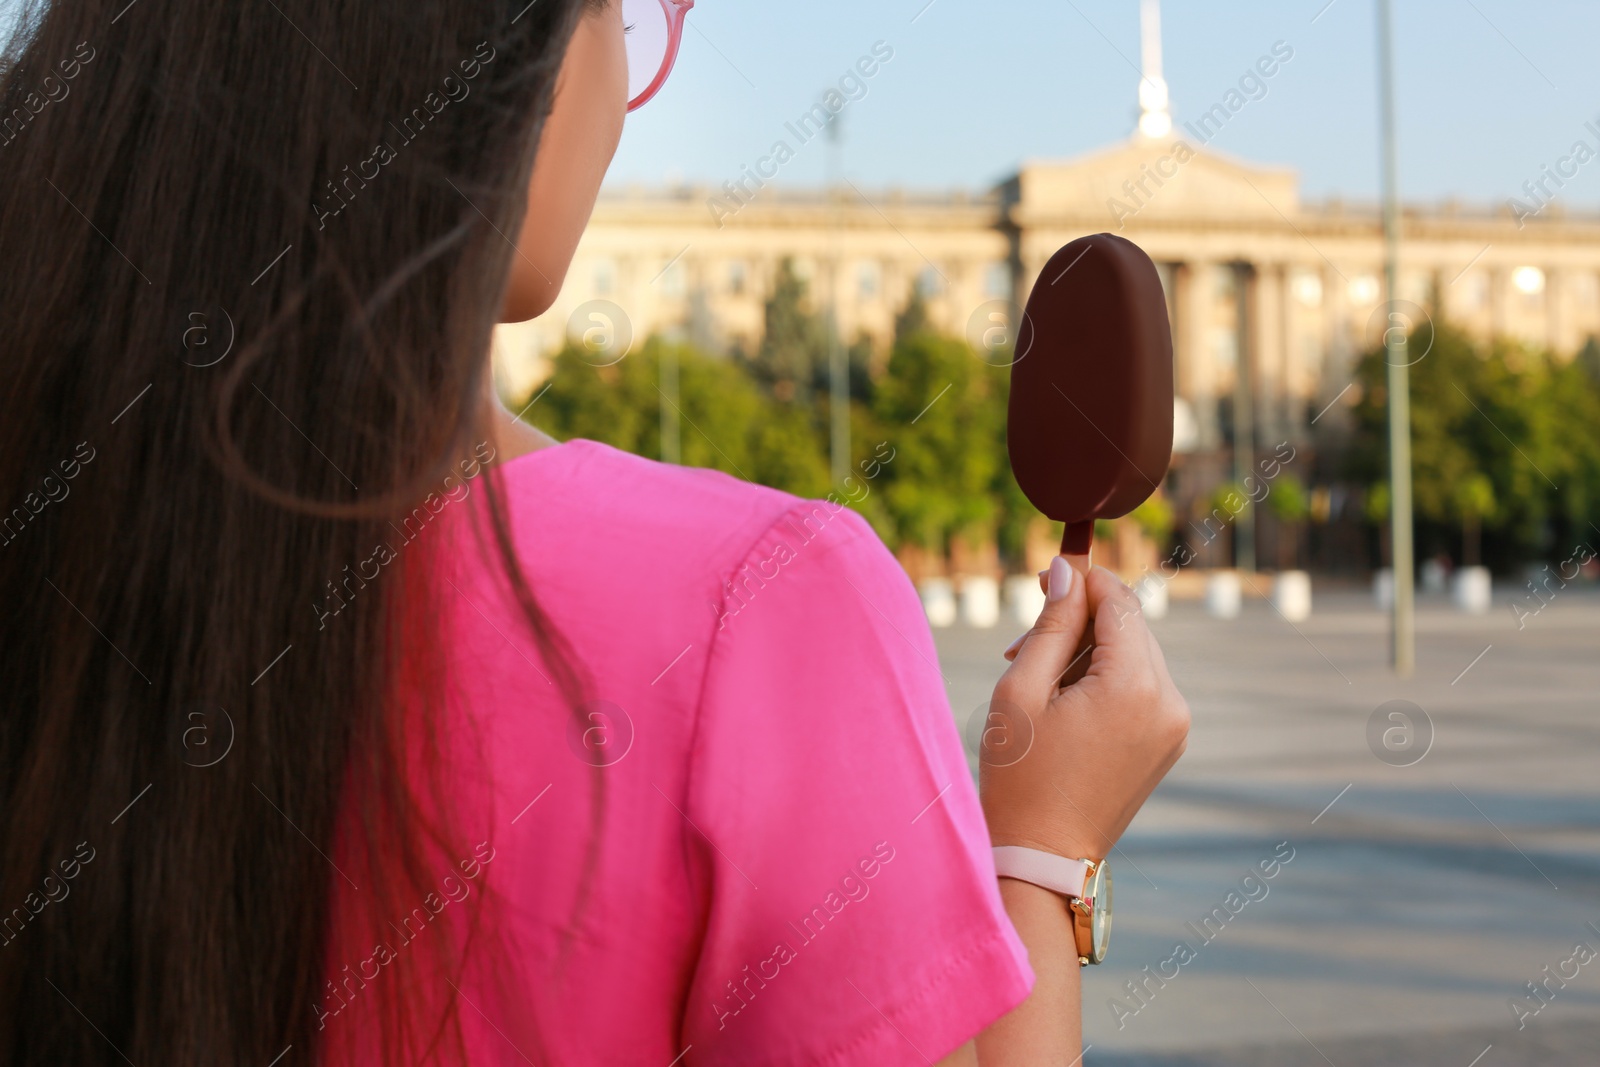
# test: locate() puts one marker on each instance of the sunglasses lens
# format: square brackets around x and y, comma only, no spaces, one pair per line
[645,22]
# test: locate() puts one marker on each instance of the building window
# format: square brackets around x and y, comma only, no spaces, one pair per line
[1417,287]
[605,277]
[1311,353]
[1308,289]
[868,280]
[1227,285]
[1225,350]
[930,283]
[672,280]
[738,277]
[997,281]
[1528,280]
[1364,290]
[1164,271]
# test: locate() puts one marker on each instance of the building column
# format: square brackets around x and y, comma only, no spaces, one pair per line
[1305,353]
[1196,372]
[1499,301]
[896,286]
[1557,318]
[1268,338]
[1246,402]
[1029,268]
[1341,343]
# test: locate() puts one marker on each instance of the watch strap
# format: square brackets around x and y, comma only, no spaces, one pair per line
[1045,869]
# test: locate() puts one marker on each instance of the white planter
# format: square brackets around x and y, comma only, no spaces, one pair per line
[938,601]
[1024,598]
[1383,589]
[980,602]
[1291,594]
[1434,578]
[1223,595]
[1473,590]
[1152,592]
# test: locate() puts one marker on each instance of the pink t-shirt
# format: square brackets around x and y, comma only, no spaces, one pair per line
[791,865]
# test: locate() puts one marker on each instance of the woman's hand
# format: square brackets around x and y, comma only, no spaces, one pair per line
[1066,770]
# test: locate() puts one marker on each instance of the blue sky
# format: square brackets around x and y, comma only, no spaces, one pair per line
[1488,90]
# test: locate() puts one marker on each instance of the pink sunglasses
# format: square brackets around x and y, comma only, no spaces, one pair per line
[654,31]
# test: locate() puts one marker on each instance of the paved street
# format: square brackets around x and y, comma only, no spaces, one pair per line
[1419,904]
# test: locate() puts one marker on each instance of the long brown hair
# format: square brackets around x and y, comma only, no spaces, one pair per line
[252,257]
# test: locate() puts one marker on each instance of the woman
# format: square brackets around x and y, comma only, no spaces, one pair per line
[352,720]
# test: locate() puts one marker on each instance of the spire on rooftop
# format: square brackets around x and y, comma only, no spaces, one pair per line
[1155,120]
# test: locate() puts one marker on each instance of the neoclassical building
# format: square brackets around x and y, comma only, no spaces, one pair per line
[1251,268]
[1271,296]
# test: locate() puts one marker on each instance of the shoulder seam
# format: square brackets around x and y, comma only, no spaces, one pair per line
[705,670]
[723,577]
[723,581]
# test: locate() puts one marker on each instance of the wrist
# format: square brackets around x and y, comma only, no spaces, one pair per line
[1048,909]
[1084,885]
[1045,1028]
[1015,818]
[1066,845]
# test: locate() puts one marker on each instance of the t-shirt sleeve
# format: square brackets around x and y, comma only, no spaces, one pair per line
[853,915]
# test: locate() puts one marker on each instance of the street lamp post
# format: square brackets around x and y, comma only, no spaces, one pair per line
[1399,374]
[838,358]
[1244,421]
[671,432]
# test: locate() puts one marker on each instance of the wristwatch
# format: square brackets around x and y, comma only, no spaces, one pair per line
[1085,883]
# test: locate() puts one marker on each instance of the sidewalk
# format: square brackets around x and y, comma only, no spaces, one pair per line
[1420,900]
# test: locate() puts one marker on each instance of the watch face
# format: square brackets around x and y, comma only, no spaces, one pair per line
[1100,921]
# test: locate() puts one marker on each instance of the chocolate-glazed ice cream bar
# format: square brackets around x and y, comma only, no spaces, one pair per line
[1089,428]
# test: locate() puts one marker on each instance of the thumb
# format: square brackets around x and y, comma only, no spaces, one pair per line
[1048,648]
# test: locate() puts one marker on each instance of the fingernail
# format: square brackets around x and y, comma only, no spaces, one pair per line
[1060,578]
[1013,646]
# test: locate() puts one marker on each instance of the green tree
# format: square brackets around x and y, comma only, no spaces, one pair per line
[1290,504]
[1377,503]
[1229,500]
[616,405]
[726,422]
[1589,360]
[913,318]
[943,411]
[1473,499]
[1566,443]
[1522,419]
[1017,515]
[862,384]
[794,343]
[1155,519]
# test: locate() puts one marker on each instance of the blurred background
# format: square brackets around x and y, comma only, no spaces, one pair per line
[808,269]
